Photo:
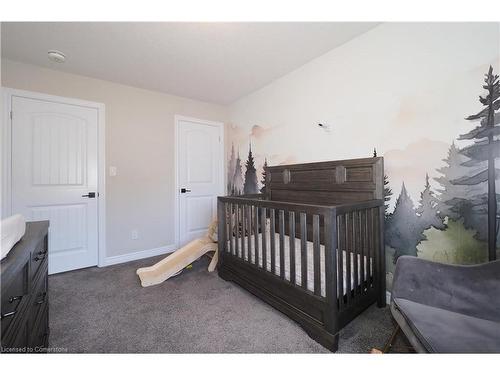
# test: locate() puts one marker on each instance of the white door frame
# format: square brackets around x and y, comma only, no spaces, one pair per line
[222,186]
[8,94]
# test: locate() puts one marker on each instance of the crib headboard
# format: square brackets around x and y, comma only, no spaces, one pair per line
[327,183]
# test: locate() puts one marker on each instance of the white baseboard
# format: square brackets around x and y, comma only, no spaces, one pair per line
[117,259]
[388,297]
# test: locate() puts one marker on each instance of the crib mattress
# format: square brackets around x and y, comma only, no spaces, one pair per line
[298,260]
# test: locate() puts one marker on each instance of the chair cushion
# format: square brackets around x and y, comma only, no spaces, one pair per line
[444,331]
[469,290]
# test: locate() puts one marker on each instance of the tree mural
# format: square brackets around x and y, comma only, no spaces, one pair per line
[484,150]
[427,209]
[456,201]
[231,167]
[237,185]
[451,196]
[403,231]
[250,186]
[264,175]
[238,182]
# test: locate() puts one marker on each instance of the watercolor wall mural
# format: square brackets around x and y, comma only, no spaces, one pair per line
[441,185]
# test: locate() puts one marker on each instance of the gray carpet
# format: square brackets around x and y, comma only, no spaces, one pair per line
[105,310]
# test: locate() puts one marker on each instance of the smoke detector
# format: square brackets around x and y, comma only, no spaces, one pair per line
[56,56]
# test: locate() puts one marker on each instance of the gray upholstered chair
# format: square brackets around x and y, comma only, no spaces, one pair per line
[446,308]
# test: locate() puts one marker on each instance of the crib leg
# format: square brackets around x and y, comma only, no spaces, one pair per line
[382,300]
[382,293]
[335,345]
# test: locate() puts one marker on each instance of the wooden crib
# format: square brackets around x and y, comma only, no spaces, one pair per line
[312,246]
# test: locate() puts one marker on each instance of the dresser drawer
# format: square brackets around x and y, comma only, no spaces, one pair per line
[39,257]
[39,337]
[39,299]
[15,297]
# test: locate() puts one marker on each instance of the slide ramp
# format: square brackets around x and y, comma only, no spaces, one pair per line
[177,261]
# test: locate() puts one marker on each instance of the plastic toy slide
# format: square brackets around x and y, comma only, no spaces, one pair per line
[177,261]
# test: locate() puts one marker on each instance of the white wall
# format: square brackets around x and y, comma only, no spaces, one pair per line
[139,142]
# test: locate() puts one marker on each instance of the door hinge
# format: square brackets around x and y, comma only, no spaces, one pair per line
[11,115]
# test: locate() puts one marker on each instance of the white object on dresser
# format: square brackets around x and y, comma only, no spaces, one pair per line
[12,230]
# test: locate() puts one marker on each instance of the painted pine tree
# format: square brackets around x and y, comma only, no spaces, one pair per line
[231,166]
[459,202]
[250,186]
[452,197]
[485,149]
[237,177]
[403,231]
[427,209]
[264,175]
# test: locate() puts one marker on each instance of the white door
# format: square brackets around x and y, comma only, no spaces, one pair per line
[200,168]
[54,168]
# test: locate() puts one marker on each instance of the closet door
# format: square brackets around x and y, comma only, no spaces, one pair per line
[200,164]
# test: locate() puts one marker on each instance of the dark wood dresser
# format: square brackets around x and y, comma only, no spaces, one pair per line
[24,288]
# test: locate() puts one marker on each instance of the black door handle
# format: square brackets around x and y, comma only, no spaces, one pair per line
[184,190]
[89,195]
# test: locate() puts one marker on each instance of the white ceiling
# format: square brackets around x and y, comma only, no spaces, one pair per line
[214,62]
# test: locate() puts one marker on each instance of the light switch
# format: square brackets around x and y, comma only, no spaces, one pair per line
[112,171]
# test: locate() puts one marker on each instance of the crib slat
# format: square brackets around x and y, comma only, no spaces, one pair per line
[263,230]
[340,257]
[348,250]
[256,235]
[237,230]
[282,243]
[316,256]
[249,234]
[370,247]
[242,234]
[243,231]
[355,241]
[303,248]
[231,229]
[228,225]
[362,236]
[272,216]
[291,223]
